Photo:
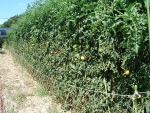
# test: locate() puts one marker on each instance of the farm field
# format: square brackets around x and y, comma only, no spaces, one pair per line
[20,93]
[93,55]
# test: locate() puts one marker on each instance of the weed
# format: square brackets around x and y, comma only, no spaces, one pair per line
[9,87]
[11,109]
[41,91]
[21,97]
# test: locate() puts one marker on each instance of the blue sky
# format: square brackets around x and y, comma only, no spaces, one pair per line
[9,8]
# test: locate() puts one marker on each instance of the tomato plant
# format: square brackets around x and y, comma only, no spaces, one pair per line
[95,41]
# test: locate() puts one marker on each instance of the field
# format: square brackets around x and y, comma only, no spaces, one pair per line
[92,54]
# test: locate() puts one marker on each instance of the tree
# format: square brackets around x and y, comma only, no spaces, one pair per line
[11,21]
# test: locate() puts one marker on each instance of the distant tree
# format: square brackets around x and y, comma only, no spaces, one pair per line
[11,21]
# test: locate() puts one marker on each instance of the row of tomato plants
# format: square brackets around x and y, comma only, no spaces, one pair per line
[98,45]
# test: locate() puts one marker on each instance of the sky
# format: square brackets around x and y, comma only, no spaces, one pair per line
[10,8]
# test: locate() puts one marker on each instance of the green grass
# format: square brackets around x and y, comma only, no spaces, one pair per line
[54,111]
[11,109]
[19,98]
[9,87]
[41,91]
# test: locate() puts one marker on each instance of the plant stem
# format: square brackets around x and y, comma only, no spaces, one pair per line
[105,83]
[148,14]
[135,101]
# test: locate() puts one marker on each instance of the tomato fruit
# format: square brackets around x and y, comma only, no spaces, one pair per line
[127,72]
[75,46]
[100,50]
[84,58]
[54,52]
[87,46]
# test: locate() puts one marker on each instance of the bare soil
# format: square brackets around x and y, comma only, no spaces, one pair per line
[19,92]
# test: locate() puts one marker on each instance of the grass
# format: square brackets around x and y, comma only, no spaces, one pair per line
[9,87]
[41,91]
[54,111]
[21,97]
[11,109]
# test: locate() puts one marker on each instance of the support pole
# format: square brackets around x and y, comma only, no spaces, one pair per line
[148,15]
[135,99]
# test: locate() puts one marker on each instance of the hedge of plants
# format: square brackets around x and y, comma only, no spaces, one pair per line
[87,47]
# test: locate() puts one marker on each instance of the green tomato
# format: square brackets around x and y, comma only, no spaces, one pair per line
[59,42]
[100,50]
[65,45]
[87,46]
[75,46]
[82,58]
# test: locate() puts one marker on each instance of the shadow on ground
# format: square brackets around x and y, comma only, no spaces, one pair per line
[2,52]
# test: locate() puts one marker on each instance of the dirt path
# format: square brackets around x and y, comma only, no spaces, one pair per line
[20,93]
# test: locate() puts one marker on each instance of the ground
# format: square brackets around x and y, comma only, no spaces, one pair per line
[19,92]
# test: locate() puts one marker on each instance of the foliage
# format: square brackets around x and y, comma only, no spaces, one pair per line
[11,21]
[87,44]
[1,42]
